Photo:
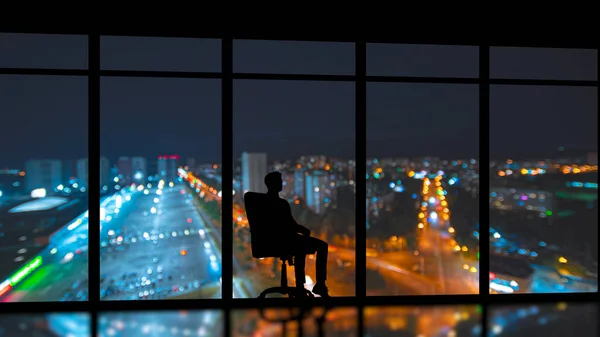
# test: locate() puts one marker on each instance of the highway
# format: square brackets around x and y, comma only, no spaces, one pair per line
[156,245]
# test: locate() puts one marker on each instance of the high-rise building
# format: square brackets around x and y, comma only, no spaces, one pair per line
[45,173]
[254,170]
[69,170]
[104,171]
[125,169]
[82,171]
[299,186]
[317,190]
[167,167]
[139,169]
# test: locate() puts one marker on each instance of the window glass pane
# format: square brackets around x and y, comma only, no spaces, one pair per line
[422,189]
[43,196]
[422,60]
[305,131]
[337,322]
[544,189]
[423,321]
[544,63]
[43,51]
[293,57]
[45,325]
[161,323]
[160,54]
[551,320]
[160,235]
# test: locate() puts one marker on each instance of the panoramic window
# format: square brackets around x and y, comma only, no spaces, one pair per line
[160,54]
[46,51]
[305,131]
[543,189]
[179,119]
[43,189]
[413,60]
[544,63]
[293,57]
[160,222]
[422,189]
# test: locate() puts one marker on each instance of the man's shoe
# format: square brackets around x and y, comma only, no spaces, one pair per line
[321,290]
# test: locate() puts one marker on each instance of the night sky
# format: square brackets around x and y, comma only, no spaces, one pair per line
[46,116]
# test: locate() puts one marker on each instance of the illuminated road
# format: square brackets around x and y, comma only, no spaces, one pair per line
[157,246]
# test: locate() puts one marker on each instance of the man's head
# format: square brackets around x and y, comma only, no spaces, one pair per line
[274,182]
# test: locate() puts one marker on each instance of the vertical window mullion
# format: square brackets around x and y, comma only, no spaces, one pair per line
[360,181]
[227,180]
[484,182]
[94,179]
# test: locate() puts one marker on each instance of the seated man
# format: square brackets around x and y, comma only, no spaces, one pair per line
[299,245]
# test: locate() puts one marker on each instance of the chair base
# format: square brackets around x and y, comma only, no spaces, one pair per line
[290,291]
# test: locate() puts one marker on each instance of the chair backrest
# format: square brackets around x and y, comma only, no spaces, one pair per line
[264,240]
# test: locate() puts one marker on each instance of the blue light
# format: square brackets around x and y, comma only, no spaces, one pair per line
[414,195]
[392,185]
[521,203]
[374,199]
[326,200]
[543,244]
[494,194]
[464,165]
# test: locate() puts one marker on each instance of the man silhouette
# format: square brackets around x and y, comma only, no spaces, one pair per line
[296,238]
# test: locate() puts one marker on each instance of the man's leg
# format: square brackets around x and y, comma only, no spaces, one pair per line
[299,265]
[322,249]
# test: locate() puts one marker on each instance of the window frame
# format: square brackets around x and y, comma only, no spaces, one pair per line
[226,303]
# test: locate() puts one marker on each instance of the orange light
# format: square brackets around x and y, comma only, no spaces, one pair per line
[22,173]
[297,202]
[183,252]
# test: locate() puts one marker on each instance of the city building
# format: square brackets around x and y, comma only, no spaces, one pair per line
[139,169]
[317,191]
[69,170]
[125,168]
[47,173]
[104,171]
[299,184]
[82,171]
[254,170]
[167,167]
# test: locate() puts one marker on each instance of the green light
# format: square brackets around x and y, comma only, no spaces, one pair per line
[21,274]
[477,255]
[548,213]
[376,175]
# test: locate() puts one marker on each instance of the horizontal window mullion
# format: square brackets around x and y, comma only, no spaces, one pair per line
[376,301]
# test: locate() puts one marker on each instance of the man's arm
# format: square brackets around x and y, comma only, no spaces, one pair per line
[297,227]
